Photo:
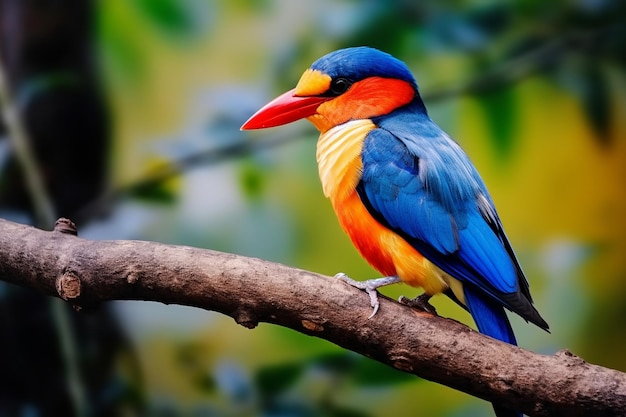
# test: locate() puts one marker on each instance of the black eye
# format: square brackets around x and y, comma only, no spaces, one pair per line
[339,86]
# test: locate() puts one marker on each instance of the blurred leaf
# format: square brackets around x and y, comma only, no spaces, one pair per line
[398,20]
[120,46]
[252,179]
[340,362]
[363,371]
[174,17]
[585,78]
[370,373]
[204,382]
[272,380]
[596,100]
[493,19]
[500,107]
[189,355]
[154,193]
[156,187]
[167,14]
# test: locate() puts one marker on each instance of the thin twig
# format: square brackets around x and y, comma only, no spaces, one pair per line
[178,167]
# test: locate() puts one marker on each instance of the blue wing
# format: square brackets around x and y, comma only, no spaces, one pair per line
[425,188]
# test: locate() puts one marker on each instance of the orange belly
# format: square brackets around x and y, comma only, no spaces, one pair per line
[385,250]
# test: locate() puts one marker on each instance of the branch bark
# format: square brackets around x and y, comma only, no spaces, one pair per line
[86,272]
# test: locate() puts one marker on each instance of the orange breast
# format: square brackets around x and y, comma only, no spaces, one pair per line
[385,250]
[369,237]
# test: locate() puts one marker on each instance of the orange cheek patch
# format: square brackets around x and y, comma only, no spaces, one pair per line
[368,98]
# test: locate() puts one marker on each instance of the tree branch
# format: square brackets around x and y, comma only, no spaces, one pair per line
[86,272]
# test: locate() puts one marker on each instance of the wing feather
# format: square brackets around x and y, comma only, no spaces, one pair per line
[426,189]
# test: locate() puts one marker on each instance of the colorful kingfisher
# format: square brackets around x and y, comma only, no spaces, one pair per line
[408,196]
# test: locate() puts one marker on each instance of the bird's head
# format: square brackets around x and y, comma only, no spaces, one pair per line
[348,84]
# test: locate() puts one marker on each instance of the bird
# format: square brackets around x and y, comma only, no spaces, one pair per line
[407,195]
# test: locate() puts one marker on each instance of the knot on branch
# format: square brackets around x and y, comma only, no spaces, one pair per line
[132,276]
[246,318]
[68,286]
[569,358]
[65,226]
[312,326]
[401,359]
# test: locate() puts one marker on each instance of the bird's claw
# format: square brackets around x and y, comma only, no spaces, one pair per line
[370,286]
[362,285]
[419,302]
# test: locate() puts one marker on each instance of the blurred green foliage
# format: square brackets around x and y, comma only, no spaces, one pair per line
[533,90]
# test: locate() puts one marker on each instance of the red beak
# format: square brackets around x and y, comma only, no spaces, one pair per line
[284,109]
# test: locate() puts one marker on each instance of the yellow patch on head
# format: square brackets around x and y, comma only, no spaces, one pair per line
[312,83]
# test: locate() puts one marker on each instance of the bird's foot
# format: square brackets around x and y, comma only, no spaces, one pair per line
[370,286]
[420,302]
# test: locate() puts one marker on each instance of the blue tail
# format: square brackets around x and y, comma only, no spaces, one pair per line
[489,316]
[491,319]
